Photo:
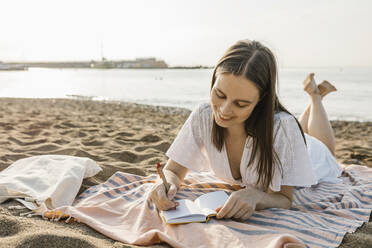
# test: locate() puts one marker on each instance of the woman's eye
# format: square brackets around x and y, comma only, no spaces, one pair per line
[240,106]
[219,96]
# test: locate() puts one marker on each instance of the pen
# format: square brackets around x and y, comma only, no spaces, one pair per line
[161,174]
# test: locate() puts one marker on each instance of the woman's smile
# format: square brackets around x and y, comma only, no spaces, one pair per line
[224,118]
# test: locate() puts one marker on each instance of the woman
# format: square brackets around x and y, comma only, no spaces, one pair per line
[246,136]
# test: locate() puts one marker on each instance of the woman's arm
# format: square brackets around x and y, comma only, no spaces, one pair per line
[174,172]
[280,199]
[242,203]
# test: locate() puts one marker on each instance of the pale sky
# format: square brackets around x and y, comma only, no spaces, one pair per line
[187,32]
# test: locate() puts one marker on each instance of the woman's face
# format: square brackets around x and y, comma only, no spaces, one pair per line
[233,99]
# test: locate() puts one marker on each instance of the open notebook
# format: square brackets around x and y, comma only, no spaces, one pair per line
[199,210]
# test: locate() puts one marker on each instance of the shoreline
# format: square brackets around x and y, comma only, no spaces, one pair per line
[346,131]
[119,136]
[163,108]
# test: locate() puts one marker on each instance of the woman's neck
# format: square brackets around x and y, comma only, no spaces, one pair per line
[236,132]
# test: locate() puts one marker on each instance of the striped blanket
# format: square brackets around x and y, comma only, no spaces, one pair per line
[320,215]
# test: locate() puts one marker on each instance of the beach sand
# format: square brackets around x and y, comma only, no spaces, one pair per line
[119,137]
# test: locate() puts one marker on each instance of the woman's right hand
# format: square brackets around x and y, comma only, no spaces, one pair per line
[161,199]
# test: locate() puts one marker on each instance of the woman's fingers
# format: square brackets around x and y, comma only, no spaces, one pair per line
[172,191]
[160,190]
[160,198]
[236,207]
[227,209]
[164,202]
[247,215]
[242,211]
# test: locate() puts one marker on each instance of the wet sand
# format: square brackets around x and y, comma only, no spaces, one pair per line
[119,137]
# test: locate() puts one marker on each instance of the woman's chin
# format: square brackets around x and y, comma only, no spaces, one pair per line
[221,124]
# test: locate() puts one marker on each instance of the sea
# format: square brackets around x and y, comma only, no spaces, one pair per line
[187,88]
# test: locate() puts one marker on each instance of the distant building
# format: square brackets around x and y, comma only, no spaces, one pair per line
[12,67]
[140,63]
[150,62]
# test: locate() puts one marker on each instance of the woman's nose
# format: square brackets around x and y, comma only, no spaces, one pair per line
[225,108]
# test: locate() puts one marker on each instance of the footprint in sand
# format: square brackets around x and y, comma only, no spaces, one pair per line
[64,132]
[120,141]
[77,153]
[53,240]
[60,141]
[46,148]
[22,143]
[69,124]
[163,147]
[92,130]
[73,133]
[121,138]
[150,138]
[125,134]
[40,125]
[12,227]
[129,156]
[142,148]
[59,126]
[124,156]
[93,142]
[81,134]
[32,132]
[8,127]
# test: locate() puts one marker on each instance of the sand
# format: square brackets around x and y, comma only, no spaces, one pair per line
[119,137]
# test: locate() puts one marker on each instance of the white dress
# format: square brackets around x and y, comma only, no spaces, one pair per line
[301,165]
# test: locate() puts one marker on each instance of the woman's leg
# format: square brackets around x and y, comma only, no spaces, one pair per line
[324,89]
[318,124]
[304,119]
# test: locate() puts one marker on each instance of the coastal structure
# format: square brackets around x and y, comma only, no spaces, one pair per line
[138,63]
[12,67]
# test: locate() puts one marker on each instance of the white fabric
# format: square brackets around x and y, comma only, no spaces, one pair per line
[193,148]
[324,164]
[52,178]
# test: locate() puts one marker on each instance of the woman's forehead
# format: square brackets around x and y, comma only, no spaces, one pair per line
[237,87]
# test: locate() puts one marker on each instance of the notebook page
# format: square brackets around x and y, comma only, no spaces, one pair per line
[185,208]
[212,200]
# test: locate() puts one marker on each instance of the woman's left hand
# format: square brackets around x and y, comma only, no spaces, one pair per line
[241,204]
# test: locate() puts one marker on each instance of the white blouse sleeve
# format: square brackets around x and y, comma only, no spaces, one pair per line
[289,145]
[188,149]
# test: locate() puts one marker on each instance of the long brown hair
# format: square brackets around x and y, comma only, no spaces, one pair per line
[258,64]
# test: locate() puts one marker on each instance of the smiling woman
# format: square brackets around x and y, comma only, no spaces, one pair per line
[251,71]
[246,136]
[225,99]
[233,98]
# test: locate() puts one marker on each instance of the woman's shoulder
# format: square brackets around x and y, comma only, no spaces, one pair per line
[204,108]
[284,119]
[201,118]
[203,111]
[287,126]
[282,116]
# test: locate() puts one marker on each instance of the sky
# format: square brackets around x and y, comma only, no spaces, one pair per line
[317,33]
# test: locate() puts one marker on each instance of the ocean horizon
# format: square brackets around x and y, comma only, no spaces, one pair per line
[187,88]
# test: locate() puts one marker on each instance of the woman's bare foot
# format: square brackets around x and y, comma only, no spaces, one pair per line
[325,88]
[310,86]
